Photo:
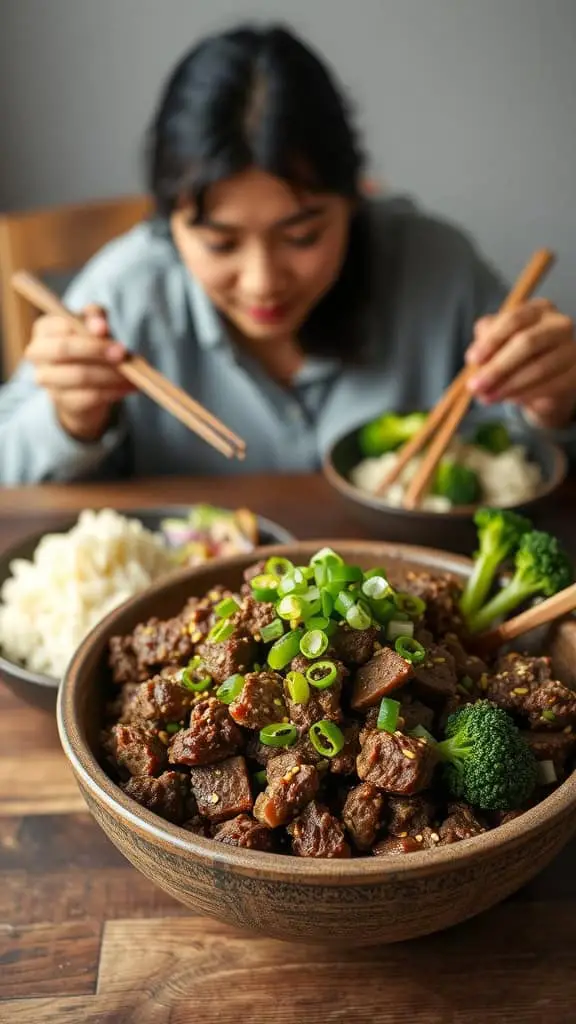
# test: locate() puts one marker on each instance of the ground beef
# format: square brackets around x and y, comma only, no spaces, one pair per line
[253,616]
[161,700]
[222,790]
[385,673]
[212,736]
[522,686]
[162,642]
[322,703]
[165,795]
[396,763]
[345,762]
[245,832]
[291,785]
[362,814]
[260,702]
[461,823]
[137,750]
[435,680]
[317,833]
[410,815]
[222,660]
[354,646]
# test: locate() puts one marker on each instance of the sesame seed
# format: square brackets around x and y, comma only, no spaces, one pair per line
[278,702]
[434,837]
[214,798]
[402,835]
[419,839]
[285,719]
[409,754]
[196,636]
[377,646]
[438,661]
[568,730]
[164,737]
[520,690]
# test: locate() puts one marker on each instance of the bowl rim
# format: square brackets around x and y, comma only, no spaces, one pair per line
[28,675]
[349,490]
[272,866]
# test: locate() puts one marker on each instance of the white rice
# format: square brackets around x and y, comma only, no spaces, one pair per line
[506,480]
[49,604]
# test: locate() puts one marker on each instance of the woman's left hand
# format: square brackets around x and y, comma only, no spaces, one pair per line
[528,357]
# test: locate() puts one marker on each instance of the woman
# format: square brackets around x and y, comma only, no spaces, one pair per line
[272,291]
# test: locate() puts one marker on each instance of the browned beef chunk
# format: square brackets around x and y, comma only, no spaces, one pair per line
[362,814]
[396,763]
[123,661]
[165,795]
[243,831]
[522,686]
[317,833]
[253,616]
[345,762]
[162,642]
[467,665]
[322,703]
[441,595]
[162,700]
[291,784]
[461,823]
[260,702]
[413,713]
[410,815]
[138,751]
[222,790]
[212,736]
[226,659]
[121,709]
[435,679]
[558,747]
[385,673]
[198,826]
[394,846]
[354,646]
[503,817]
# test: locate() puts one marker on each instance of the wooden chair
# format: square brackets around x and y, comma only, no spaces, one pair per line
[57,240]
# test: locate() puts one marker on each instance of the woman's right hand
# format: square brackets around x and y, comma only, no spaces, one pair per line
[79,373]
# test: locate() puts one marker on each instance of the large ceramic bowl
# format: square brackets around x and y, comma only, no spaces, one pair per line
[40,689]
[453,530]
[360,901]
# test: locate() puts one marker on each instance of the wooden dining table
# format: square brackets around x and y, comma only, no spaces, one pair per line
[85,938]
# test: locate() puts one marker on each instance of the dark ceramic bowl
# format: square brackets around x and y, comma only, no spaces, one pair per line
[453,530]
[40,689]
[362,901]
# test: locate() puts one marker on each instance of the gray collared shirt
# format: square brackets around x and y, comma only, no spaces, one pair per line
[417,331]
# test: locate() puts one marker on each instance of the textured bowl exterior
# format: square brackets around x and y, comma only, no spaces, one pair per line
[355,902]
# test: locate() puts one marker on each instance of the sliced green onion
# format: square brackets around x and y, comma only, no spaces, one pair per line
[286,648]
[261,779]
[298,688]
[383,611]
[292,583]
[376,587]
[192,680]
[546,773]
[317,622]
[467,682]
[376,572]
[279,734]
[277,566]
[311,603]
[322,674]
[230,688]
[548,715]
[345,574]
[313,643]
[411,605]
[388,715]
[421,733]
[410,649]
[265,586]
[326,603]
[326,738]
[272,631]
[173,727]
[226,608]
[326,556]
[397,627]
[290,608]
[306,570]
[344,602]
[358,616]
[220,632]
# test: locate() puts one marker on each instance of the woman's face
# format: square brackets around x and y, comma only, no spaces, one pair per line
[264,253]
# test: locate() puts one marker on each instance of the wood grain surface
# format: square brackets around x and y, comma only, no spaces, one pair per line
[85,939]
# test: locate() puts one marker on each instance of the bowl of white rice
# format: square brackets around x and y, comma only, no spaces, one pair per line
[55,587]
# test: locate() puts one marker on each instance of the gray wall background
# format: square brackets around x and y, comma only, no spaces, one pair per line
[469,105]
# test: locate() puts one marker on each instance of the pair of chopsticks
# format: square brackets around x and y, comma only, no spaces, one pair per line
[541,614]
[449,412]
[142,375]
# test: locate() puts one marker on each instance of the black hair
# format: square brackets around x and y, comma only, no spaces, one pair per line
[259,97]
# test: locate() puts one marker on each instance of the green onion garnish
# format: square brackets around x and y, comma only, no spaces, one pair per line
[344,602]
[388,715]
[290,608]
[326,738]
[230,688]
[272,631]
[311,603]
[173,727]
[467,682]
[548,716]
[279,734]
[322,674]
[260,779]
[398,627]
[376,572]
[286,648]
[313,643]
[376,587]
[411,605]
[358,616]
[298,688]
[317,622]
[220,632]
[410,649]
[326,603]
[421,733]
[383,611]
[192,679]
[292,583]
[345,574]
[226,608]
[265,586]
[326,556]
[277,566]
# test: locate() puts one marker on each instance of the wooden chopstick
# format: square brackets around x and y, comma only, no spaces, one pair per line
[144,376]
[528,280]
[552,608]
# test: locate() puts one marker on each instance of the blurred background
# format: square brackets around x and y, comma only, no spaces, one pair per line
[468,106]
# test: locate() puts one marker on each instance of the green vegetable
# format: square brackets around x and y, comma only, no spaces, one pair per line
[359,616]
[260,779]
[195,677]
[413,606]
[398,627]
[226,608]
[290,608]
[388,432]
[487,760]
[326,738]
[265,586]
[173,727]
[422,733]
[410,649]
[541,567]
[220,632]
[282,652]
[458,483]
[376,588]
[322,674]
[279,734]
[277,566]
[493,437]
[230,688]
[499,534]
[313,643]
[292,583]
[272,631]
[388,715]
[298,687]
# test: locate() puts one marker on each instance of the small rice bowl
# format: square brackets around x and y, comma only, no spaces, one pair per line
[507,479]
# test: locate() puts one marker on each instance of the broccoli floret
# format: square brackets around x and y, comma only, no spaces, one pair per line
[388,432]
[456,482]
[541,567]
[499,534]
[493,437]
[487,760]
